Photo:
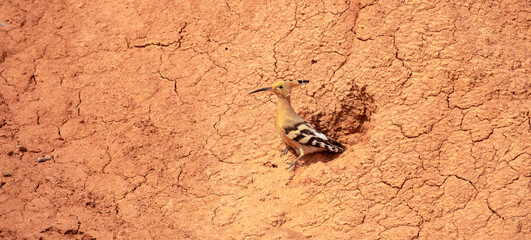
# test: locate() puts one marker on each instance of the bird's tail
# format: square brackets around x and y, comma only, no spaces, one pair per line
[340,148]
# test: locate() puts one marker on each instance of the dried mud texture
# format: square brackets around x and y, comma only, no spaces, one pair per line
[143,108]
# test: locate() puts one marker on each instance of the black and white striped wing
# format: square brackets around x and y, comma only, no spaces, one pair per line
[305,134]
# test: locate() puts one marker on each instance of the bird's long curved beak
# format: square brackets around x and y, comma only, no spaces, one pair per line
[261,89]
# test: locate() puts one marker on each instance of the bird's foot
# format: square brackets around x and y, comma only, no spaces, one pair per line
[285,150]
[293,164]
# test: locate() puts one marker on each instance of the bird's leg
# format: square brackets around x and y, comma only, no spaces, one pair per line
[296,162]
[285,150]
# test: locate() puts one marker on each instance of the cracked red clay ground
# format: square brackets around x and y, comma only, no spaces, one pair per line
[143,107]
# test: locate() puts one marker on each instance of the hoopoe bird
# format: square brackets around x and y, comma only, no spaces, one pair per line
[296,133]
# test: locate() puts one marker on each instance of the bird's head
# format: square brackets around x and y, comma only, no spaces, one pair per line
[282,88]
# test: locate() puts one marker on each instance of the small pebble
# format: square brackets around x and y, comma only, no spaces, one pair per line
[43,159]
[6,174]
[22,148]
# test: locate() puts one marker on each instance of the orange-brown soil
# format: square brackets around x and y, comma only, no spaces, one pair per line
[143,107]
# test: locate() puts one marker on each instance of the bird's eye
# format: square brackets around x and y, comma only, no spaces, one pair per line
[280,87]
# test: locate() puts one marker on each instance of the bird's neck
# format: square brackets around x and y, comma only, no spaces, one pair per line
[284,110]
